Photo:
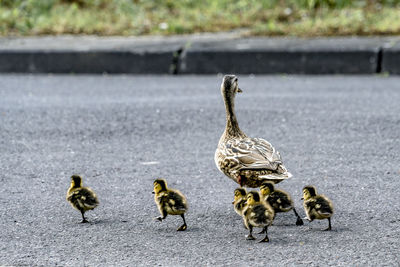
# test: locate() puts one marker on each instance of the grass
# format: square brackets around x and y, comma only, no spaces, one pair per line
[166,17]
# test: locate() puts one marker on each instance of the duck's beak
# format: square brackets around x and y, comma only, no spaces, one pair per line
[239,90]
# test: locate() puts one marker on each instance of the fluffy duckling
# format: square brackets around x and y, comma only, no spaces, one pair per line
[279,200]
[239,201]
[169,201]
[257,213]
[317,206]
[247,161]
[81,198]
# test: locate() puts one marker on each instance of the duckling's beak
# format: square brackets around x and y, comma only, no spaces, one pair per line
[302,198]
[239,90]
[233,202]
[153,192]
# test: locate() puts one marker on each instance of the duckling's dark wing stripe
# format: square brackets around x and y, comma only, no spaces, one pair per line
[324,206]
[260,217]
[179,203]
[85,195]
[279,199]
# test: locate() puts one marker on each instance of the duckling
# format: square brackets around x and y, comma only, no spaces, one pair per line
[279,200]
[169,201]
[257,213]
[81,198]
[239,201]
[247,161]
[317,206]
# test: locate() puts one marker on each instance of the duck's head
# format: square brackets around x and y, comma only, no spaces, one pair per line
[266,188]
[230,86]
[76,181]
[159,186]
[239,193]
[253,198]
[309,191]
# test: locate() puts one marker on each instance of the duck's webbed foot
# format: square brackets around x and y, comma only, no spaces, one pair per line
[329,227]
[183,227]
[265,239]
[299,221]
[164,215]
[250,237]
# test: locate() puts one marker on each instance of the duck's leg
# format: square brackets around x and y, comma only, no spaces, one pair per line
[262,231]
[83,216]
[299,221]
[183,226]
[240,179]
[250,235]
[265,239]
[329,227]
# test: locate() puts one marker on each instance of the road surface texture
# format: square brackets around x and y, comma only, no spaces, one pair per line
[339,133]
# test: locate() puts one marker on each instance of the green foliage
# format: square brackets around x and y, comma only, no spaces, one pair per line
[135,17]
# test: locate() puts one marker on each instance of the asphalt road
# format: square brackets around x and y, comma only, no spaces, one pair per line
[340,133]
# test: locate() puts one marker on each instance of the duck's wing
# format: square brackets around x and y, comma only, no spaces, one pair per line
[83,197]
[255,153]
[323,206]
[279,200]
[176,201]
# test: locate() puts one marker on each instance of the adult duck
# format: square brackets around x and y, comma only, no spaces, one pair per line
[247,161]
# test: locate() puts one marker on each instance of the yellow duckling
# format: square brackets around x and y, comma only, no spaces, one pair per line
[169,201]
[317,206]
[81,198]
[239,201]
[257,213]
[279,200]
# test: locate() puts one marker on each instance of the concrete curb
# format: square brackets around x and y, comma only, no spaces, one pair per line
[391,58]
[200,54]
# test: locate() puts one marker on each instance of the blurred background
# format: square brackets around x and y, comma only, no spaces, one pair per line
[305,18]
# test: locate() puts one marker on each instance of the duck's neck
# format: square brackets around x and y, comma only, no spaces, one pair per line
[232,126]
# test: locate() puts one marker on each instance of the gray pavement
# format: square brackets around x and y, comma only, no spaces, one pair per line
[200,54]
[340,133]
